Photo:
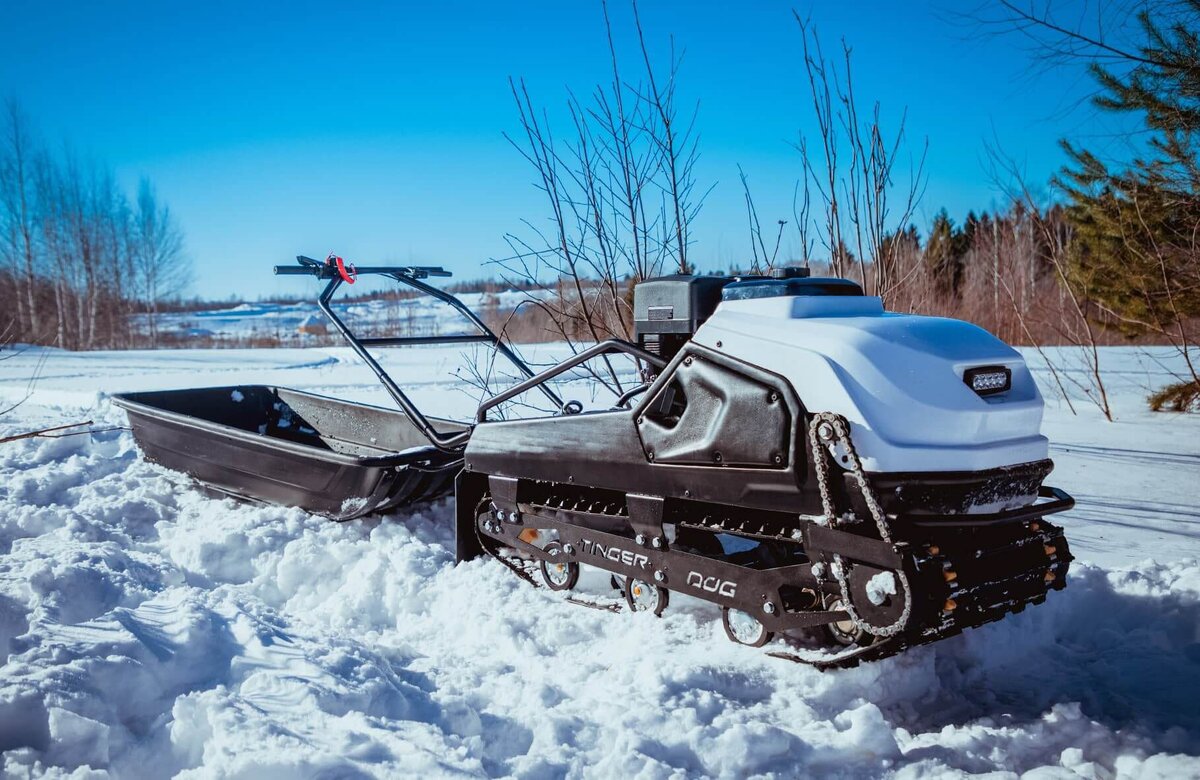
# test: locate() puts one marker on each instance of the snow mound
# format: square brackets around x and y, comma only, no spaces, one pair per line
[148,630]
[880,587]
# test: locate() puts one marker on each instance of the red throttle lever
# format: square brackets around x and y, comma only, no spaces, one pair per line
[348,276]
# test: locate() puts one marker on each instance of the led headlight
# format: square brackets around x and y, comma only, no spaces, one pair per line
[987,380]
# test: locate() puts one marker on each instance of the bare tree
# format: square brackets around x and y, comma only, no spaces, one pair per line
[677,149]
[826,181]
[76,260]
[802,218]
[17,214]
[762,261]
[157,254]
[862,204]
[1056,34]
[620,193]
[1072,320]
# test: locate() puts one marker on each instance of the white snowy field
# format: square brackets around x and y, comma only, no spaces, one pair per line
[417,316]
[148,631]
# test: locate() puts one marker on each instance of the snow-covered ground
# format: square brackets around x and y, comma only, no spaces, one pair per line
[147,630]
[290,321]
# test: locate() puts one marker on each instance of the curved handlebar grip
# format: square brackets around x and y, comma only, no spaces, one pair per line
[296,270]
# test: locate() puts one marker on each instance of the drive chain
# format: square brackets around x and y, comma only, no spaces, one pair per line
[833,430]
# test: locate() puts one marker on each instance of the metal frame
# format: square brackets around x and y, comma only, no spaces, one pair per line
[1061,503]
[411,276]
[603,348]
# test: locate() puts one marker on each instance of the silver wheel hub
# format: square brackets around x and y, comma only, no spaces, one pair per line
[644,597]
[745,627]
[557,572]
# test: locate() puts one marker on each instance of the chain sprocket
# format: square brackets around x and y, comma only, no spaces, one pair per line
[829,434]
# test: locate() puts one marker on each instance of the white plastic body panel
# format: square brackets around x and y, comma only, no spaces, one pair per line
[897,378]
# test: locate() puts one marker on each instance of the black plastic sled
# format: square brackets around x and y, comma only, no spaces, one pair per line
[330,457]
[325,455]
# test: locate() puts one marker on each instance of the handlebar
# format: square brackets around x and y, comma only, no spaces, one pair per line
[306,267]
[309,267]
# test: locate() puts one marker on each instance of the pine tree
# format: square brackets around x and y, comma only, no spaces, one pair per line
[970,227]
[944,254]
[1137,226]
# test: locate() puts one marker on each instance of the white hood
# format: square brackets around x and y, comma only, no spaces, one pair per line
[897,378]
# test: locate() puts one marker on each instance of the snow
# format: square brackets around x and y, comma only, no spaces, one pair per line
[880,587]
[148,630]
[417,316]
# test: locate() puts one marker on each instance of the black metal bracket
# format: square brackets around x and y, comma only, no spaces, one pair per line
[821,539]
[721,582]
[1061,503]
[646,515]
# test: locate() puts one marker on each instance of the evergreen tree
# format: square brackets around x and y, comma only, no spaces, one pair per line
[944,254]
[1137,226]
[970,227]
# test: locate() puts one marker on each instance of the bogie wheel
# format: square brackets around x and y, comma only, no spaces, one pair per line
[844,632]
[645,597]
[744,629]
[558,573]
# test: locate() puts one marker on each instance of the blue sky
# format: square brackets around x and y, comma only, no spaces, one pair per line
[375,128]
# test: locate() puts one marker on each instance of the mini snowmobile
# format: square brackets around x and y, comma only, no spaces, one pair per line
[812,465]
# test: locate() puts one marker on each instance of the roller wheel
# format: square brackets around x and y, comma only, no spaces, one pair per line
[844,632]
[558,573]
[645,597]
[743,628]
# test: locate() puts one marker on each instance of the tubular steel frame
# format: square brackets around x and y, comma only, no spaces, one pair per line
[335,275]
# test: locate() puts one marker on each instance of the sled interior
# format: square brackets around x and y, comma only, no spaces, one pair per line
[328,456]
[357,430]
